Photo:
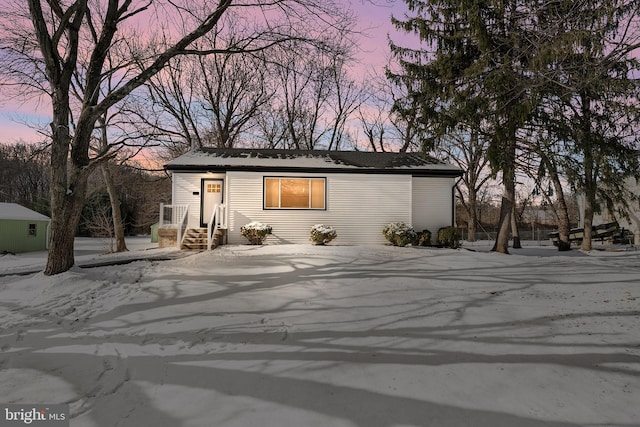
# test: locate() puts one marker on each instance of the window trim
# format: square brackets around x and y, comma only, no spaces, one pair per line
[279,178]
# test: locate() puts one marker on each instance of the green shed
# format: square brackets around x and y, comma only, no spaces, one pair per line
[22,230]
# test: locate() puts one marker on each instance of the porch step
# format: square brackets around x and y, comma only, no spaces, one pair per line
[195,239]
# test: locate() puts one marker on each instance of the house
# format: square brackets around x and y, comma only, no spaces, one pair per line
[355,192]
[22,230]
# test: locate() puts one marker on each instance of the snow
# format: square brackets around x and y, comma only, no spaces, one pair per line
[323,229]
[257,226]
[87,251]
[317,160]
[18,212]
[304,335]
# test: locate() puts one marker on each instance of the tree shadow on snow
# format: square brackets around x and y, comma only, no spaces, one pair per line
[424,326]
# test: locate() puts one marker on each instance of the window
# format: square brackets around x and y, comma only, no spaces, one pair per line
[32,229]
[294,193]
[214,188]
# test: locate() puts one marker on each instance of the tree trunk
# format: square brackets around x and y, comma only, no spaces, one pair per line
[66,209]
[563,214]
[66,200]
[588,223]
[501,244]
[472,211]
[514,229]
[118,224]
[508,198]
[69,175]
[590,174]
[62,235]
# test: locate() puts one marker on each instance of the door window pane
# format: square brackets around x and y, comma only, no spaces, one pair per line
[214,188]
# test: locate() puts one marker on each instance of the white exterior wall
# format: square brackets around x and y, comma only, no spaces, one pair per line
[358,206]
[432,203]
[184,185]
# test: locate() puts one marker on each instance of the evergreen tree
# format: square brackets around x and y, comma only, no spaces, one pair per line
[473,75]
[496,67]
[591,97]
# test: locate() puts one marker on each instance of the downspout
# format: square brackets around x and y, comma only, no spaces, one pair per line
[453,202]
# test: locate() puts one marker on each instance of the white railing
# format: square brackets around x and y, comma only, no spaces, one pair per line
[182,227]
[175,216]
[172,215]
[218,220]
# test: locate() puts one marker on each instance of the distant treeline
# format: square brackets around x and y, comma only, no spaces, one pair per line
[25,179]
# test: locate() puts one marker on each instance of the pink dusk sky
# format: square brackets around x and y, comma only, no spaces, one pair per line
[374,22]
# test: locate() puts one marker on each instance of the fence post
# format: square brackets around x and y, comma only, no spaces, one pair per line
[161,215]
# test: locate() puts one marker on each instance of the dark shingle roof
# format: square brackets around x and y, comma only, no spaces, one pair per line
[311,160]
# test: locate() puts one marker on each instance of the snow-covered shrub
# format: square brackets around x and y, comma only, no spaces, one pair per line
[255,232]
[399,233]
[449,237]
[322,234]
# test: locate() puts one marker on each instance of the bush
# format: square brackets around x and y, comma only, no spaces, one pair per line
[449,237]
[424,238]
[255,232]
[399,234]
[322,234]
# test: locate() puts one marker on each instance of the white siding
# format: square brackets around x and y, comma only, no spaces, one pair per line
[184,186]
[358,206]
[432,203]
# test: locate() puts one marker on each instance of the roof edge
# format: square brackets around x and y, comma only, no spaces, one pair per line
[435,172]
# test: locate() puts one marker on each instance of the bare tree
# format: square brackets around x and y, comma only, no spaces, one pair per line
[206,100]
[346,98]
[374,125]
[304,92]
[298,96]
[388,128]
[548,163]
[53,39]
[23,176]
[233,88]
[271,129]
[169,110]
[99,223]
[468,151]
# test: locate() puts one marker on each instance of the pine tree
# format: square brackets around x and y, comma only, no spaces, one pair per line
[591,97]
[499,67]
[473,75]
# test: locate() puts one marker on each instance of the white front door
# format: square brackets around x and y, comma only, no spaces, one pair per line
[211,195]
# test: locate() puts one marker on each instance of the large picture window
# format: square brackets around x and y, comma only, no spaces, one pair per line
[294,193]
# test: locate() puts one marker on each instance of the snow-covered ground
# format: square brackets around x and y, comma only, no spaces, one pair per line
[87,251]
[302,335]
